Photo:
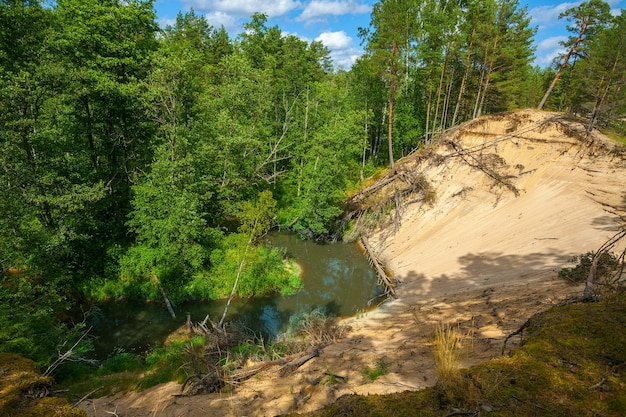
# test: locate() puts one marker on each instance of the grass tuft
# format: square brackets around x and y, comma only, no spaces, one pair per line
[371,374]
[447,350]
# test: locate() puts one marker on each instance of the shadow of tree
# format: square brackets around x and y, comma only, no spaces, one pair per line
[482,269]
[615,221]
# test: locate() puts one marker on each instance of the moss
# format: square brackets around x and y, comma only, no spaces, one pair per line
[52,407]
[24,391]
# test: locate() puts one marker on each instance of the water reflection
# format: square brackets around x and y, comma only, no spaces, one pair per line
[336,277]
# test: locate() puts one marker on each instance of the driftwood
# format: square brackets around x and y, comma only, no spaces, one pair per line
[294,364]
[84,397]
[379,268]
[217,378]
[168,304]
[289,364]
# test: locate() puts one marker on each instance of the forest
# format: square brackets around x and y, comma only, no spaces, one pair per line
[145,163]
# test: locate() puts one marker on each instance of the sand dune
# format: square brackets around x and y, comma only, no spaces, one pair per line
[517,195]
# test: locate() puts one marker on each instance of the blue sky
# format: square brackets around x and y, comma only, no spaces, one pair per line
[336,22]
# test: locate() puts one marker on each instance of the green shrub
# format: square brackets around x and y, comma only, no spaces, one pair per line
[120,361]
[579,273]
[371,374]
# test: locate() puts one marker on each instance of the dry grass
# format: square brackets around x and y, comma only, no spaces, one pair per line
[447,348]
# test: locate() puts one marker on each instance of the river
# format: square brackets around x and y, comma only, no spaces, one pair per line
[335,276]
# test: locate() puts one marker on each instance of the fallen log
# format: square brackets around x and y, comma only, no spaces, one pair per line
[289,363]
[383,279]
[168,304]
[357,196]
[298,362]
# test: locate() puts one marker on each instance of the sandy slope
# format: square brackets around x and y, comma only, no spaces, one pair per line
[483,256]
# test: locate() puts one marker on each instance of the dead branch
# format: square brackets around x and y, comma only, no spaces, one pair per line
[519,331]
[383,279]
[291,366]
[68,355]
[218,378]
[84,397]
[357,196]
[588,293]
[461,413]
[476,163]
[598,385]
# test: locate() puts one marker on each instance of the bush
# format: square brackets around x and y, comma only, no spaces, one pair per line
[316,326]
[120,361]
[264,271]
[579,273]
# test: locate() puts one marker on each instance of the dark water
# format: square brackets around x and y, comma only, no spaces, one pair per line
[335,276]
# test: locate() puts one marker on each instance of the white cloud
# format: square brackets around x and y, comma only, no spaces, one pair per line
[318,8]
[335,40]
[616,12]
[548,49]
[246,8]
[345,58]
[548,16]
[343,54]
[551,43]
[284,34]
[218,19]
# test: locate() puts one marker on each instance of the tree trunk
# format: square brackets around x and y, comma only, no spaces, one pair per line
[365,135]
[563,66]
[390,132]
[443,71]
[428,105]
[446,101]
[464,79]
[167,300]
[304,138]
[488,76]
[480,85]
[392,97]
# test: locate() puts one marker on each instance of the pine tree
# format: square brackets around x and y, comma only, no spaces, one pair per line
[601,78]
[586,18]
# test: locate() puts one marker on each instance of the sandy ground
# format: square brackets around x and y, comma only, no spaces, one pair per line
[484,257]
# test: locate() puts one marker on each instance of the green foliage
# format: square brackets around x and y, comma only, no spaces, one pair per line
[371,374]
[164,364]
[34,330]
[123,371]
[599,79]
[120,361]
[127,150]
[264,272]
[607,264]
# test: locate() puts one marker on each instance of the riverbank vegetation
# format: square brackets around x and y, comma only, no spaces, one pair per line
[138,161]
[204,359]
